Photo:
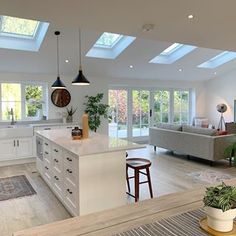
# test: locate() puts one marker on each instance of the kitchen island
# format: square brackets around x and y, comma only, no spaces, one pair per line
[87,175]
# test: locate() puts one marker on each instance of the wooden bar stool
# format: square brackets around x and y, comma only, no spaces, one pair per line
[138,164]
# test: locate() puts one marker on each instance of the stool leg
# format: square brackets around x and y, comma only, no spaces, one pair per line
[127,178]
[149,182]
[136,187]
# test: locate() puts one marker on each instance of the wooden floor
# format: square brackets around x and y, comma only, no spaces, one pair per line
[169,174]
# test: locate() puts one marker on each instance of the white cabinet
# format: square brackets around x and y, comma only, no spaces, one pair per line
[16,148]
[7,149]
[24,147]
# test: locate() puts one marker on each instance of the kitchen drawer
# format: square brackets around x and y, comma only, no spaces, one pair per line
[57,164]
[46,146]
[71,198]
[57,184]
[46,157]
[70,161]
[47,174]
[56,151]
[71,175]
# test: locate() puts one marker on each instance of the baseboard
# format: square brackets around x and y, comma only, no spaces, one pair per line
[17,161]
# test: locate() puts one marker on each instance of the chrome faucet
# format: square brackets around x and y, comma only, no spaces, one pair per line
[12,117]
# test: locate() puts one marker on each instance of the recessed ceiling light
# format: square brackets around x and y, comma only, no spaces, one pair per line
[190,16]
[215,73]
[180,70]
[131,66]
[66,61]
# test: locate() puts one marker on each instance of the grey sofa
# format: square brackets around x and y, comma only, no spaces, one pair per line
[198,142]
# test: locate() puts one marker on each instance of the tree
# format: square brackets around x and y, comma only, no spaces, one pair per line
[95,110]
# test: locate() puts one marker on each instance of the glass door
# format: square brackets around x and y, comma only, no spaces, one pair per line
[140,113]
[117,99]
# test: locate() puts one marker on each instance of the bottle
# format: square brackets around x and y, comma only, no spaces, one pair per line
[85,125]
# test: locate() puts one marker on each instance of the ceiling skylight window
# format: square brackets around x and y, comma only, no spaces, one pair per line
[173,53]
[108,40]
[18,27]
[110,46]
[21,34]
[172,48]
[218,60]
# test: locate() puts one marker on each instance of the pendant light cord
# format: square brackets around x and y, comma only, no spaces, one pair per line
[80,53]
[58,72]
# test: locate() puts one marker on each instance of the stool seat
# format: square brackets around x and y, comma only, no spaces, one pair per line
[138,164]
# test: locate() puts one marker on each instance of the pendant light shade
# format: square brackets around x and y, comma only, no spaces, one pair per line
[80,78]
[58,84]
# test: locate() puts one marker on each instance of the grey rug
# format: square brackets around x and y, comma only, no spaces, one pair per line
[186,224]
[15,187]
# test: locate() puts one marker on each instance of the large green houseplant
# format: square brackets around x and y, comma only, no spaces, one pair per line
[230,152]
[220,206]
[95,110]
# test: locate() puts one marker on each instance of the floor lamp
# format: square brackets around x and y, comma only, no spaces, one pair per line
[221,108]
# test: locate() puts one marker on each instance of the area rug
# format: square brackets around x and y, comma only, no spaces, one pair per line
[15,187]
[210,176]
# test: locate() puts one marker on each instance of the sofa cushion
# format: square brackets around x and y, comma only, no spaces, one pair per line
[169,126]
[198,130]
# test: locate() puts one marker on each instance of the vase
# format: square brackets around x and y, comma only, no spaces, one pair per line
[219,220]
[69,119]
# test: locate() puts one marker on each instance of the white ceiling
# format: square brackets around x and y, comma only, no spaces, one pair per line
[212,27]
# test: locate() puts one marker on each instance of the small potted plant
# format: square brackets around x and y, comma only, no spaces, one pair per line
[220,206]
[70,113]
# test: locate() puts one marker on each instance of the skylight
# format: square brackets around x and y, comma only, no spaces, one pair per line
[172,53]
[108,40]
[18,27]
[218,60]
[172,48]
[110,46]
[21,34]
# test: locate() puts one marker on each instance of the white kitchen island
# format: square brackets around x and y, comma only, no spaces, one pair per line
[87,175]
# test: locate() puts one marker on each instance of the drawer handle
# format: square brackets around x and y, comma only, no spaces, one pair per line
[46,144]
[68,159]
[55,150]
[56,160]
[46,167]
[56,177]
[47,128]
[46,153]
[69,171]
[68,190]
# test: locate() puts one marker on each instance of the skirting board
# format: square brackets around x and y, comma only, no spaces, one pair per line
[17,161]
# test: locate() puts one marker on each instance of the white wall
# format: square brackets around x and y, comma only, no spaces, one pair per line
[98,85]
[221,90]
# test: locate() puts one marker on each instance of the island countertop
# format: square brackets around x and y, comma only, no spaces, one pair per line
[95,144]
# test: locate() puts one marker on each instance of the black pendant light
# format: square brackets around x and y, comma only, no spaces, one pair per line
[80,78]
[58,84]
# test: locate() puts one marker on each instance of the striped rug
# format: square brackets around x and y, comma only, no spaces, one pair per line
[186,224]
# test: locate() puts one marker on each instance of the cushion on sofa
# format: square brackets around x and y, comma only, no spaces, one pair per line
[198,130]
[169,126]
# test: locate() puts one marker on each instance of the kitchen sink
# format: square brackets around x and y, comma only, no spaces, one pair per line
[14,131]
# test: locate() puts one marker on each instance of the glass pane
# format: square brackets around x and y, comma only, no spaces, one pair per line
[184,118]
[34,100]
[165,118]
[118,113]
[176,117]
[108,40]
[6,108]
[19,26]
[185,101]
[177,101]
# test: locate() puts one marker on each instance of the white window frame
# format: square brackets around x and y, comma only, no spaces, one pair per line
[23,99]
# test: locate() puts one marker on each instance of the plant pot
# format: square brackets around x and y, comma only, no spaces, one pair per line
[69,119]
[219,220]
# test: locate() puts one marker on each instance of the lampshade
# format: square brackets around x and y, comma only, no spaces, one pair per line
[58,84]
[80,78]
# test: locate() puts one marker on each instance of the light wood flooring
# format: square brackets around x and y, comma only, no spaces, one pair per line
[169,174]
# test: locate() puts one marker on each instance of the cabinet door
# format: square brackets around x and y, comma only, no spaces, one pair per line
[24,147]
[7,149]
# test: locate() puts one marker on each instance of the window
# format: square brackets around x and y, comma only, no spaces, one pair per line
[161,108]
[108,40]
[21,34]
[27,101]
[181,107]
[171,49]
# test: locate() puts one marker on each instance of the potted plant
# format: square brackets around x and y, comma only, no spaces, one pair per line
[95,110]
[70,112]
[220,206]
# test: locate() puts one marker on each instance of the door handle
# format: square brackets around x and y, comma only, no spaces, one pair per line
[150,112]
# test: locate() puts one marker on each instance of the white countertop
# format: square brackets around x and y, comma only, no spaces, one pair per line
[95,144]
